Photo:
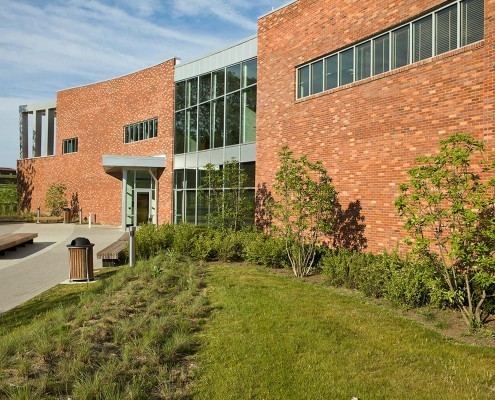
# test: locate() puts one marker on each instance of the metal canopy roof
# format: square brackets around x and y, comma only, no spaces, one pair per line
[116,163]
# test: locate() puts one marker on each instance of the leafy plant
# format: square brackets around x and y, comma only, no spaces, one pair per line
[303,208]
[224,194]
[55,198]
[8,199]
[449,207]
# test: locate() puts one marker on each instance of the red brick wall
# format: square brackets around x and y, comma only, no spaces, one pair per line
[96,114]
[367,133]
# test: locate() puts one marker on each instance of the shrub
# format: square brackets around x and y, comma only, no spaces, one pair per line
[265,250]
[185,237]
[55,198]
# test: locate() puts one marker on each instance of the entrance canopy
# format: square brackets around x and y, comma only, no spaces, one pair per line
[117,163]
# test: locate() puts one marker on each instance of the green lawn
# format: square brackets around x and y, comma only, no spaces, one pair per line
[271,337]
[177,330]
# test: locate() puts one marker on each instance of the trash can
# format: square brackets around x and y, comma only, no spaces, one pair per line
[81,259]
[66,215]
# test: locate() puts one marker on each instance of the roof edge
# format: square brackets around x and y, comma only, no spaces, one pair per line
[277,9]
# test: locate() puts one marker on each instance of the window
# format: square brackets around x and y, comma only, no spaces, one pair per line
[204,127]
[346,62]
[180,95]
[217,118]
[69,146]
[472,22]
[248,115]
[249,73]
[423,38]
[363,60]
[232,120]
[400,46]
[218,83]
[331,72]
[446,29]
[381,54]
[303,80]
[233,78]
[192,92]
[317,77]
[143,130]
[438,32]
[204,88]
[191,130]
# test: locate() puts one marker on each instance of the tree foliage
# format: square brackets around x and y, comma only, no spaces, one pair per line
[449,206]
[303,208]
[8,199]
[223,193]
[56,199]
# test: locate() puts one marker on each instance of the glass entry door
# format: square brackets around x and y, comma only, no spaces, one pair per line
[143,206]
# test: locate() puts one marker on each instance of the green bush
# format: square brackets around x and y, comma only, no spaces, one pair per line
[265,250]
[185,237]
[403,282]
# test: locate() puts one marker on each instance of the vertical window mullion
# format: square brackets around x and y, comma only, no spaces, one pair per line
[391,49]
[434,34]
[458,22]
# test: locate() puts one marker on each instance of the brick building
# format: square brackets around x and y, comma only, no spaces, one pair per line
[364,86]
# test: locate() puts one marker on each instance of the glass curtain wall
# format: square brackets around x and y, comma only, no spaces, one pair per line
[140,197]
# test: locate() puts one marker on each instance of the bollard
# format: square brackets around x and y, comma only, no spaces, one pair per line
[132,245]
[80,216]
[90,217]
[38,214]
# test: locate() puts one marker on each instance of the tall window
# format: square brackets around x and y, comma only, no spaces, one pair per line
[459,23]
[216,109]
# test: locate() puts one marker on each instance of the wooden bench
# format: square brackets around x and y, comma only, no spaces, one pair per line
[49,219]
[11,240]
[11,218]
[113,254]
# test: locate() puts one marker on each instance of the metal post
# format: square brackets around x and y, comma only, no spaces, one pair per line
[87,265]
[90,217]
[80,216]
[132,245]
[38,214]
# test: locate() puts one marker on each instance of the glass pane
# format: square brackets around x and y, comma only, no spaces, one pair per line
[180,95]
[249,115]
[146,130]
[179,140]
[381,49]
[126,135]
[204,88]
[317,77]
[233,78]
[140,131]
[446,29]
[203,177]
[218,83]
[191,178]
[134,133]
[202,207]
[249,73]
[423,39]
[303,80]
[191,206]
[178,179]
[155,127]
[363,61]
[249,216]
[400,40]
[232,119]
[192,133]
[204,127]
[217,113]
[178,202]
[332,72]
[192,92]
[473,20]
[347,67]
[249,169]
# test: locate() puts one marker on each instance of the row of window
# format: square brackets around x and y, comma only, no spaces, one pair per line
[190,203]
[216,84]
[141,130]
[224,120]
[69,145]
[459,24]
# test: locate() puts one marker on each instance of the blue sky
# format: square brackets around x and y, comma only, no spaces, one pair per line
[49,45]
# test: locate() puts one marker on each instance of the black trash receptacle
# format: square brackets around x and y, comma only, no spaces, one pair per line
[81,259]
[66,215]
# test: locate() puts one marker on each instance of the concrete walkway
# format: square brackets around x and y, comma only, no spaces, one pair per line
[29,271]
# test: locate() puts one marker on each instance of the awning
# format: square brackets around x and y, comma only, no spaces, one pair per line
[116,163]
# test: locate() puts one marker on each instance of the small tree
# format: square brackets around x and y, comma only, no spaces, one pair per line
[449,210]
[55,198]
[303,208]
[224,193]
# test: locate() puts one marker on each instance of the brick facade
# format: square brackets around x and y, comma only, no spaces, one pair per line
[367,133]
[96,114]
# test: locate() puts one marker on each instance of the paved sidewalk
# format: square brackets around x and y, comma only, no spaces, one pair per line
[31,270]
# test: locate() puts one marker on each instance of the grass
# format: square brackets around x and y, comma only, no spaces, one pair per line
[125,337]
[271,337]
[175,330]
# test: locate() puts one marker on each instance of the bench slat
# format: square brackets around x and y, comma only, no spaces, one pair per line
[112,251]
[14,239]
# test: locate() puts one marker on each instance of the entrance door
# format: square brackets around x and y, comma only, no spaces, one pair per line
[143,206]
